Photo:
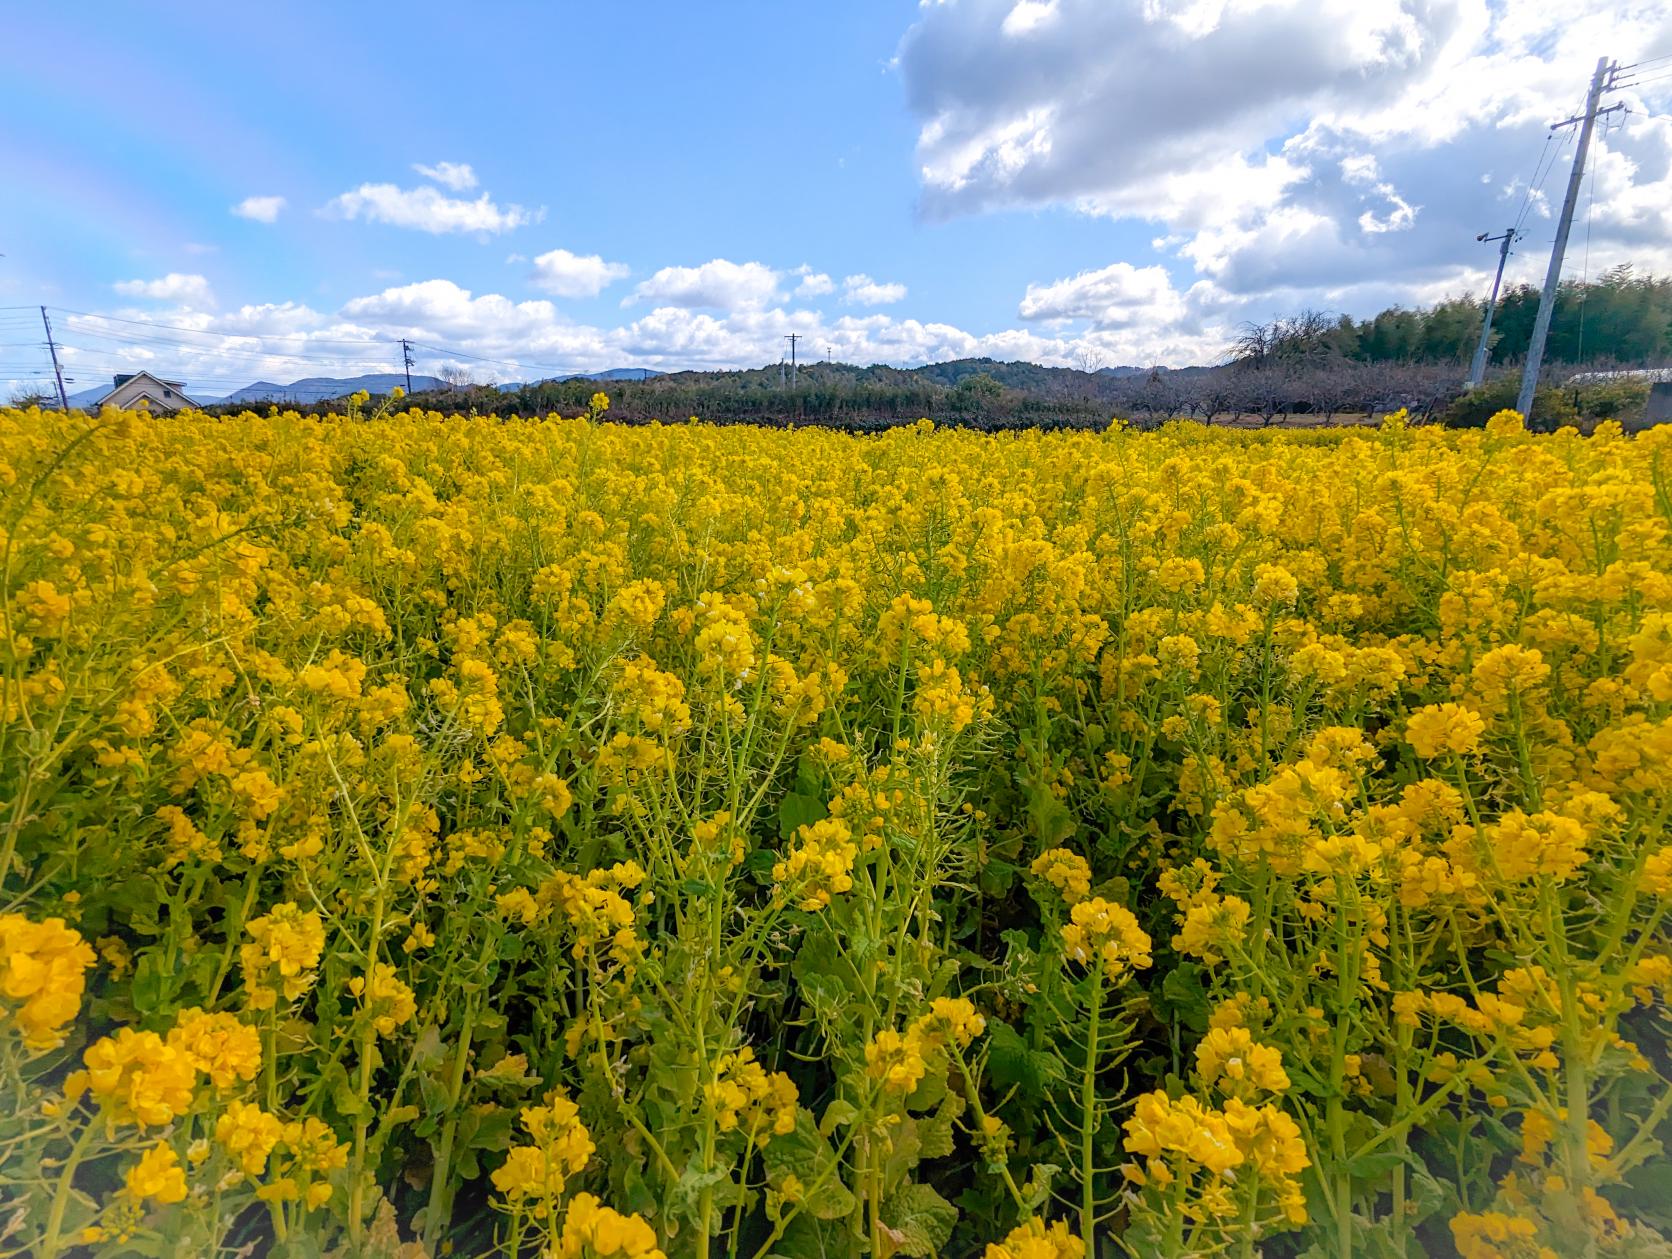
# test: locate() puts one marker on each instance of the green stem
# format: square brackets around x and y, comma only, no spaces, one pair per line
[61,1198]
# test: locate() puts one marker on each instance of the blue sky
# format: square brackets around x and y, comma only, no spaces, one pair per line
[1061,180]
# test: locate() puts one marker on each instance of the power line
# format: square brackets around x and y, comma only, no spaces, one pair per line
[139,339]
[502,362]
[210,332]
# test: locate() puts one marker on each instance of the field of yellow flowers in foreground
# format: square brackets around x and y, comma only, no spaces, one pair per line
[435,835]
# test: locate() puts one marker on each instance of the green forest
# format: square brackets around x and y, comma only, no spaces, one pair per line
[1619,318]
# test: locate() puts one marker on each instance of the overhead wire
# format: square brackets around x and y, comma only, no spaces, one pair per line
[150,340]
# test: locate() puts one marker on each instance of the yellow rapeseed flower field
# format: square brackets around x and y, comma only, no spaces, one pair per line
[426,834]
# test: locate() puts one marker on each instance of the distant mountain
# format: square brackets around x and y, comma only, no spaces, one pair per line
[616,373]
[324,388]
[613,373]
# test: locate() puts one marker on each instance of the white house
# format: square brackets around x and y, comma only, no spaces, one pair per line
[141,389]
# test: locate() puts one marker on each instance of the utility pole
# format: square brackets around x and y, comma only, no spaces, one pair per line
[52,349]
[1601,82]
[792,338]
[406,356]
[1477,369]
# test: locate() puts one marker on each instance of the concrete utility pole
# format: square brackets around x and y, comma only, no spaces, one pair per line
[52,349]
[406,356]
[1601,82]
[1477,369]
[792,338]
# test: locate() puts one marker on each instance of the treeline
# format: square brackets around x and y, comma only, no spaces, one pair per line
[1310,368]
[1620,318]
[1278,391]
[876,398]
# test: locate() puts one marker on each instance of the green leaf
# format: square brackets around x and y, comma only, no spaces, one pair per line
[808,1157]
[1376,1165]
[796,810]
[1048,818]
[836,1114]
[920,1220]
[1013,1064]
[1185,995]
[1036,1189]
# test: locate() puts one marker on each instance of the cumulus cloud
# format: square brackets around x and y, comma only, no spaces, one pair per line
[427,209]
[862,290]
[259,209]
[719,284]
[186,289]
[496,337]
[455,175]
[813,283]
[1316,151]
[575,275]
[1116,295]
[1026,16]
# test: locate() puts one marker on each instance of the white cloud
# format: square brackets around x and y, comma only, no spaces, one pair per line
[455,175]
[428,210]
[1311,152]
[575,275]
[259,209]
[862,290]
[1027,16]
[189,290]
[719,284]
[813,283]
[1117,295]
[499,338]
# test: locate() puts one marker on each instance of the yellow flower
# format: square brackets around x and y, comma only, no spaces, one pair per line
[219,1045]
[1066,871]
[136,1077]
[1505,423]
[1035,1239]
[593,1229]
[820,866]
[950,1021]
[1231,1058]
[285,947]
[389,1001]
[896,1060]
[535,1175]
[1543,844]
[249,1134]
[1274,586]
[1442,729]
[157,1176]
[43,968]
[1107,933]
[1492,1234]
[744,1094]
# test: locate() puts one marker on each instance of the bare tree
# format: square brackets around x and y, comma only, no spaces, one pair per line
[1089,359]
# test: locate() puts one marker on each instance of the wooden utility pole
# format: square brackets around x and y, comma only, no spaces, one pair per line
[1601,82]
[52,349]
[1477,369]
